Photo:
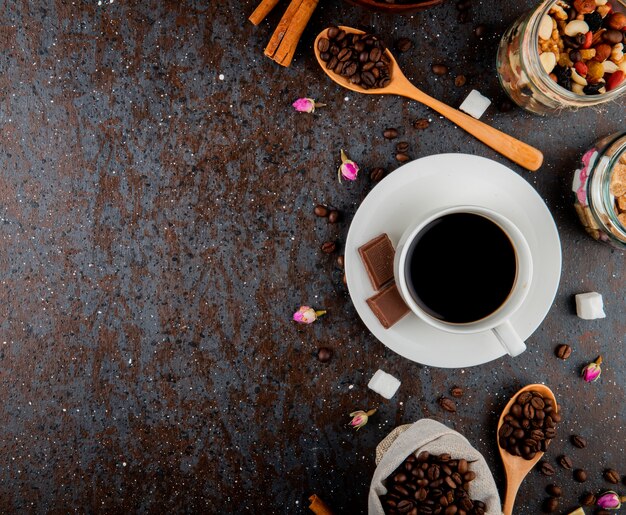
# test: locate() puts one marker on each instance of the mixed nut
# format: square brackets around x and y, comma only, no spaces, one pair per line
[581,46]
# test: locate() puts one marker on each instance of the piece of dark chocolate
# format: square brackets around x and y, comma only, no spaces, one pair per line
[377,255]
[388,306]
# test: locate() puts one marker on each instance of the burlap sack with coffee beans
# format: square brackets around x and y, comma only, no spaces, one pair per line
[429,435]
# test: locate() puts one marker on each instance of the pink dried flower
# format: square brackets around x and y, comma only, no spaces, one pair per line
[307,315]
[348,169]
[610,500]
[306,105]
[592,371]
[360,418]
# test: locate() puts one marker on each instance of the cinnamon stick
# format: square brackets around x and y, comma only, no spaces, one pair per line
[282,27]
[262,10]
[318,506]
[287,48]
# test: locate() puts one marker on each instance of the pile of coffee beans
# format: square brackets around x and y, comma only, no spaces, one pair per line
[529,426]
[430,484]
[358,57]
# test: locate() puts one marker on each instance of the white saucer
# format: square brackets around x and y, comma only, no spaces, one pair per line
[430,183]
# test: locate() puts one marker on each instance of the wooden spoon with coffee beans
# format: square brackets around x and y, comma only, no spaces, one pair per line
[515,467]
[517,151]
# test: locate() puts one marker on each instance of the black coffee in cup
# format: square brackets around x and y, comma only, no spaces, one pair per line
[460,268]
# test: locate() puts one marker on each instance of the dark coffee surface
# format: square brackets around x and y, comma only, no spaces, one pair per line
[461,267]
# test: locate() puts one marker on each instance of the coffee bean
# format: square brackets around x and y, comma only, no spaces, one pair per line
[324,354]
[612,476]
[550,505]
[340,261]
[547,469]
[332,32]
[524,397]
[439,69]
[403,146]
[554,491]
[456,391]
[329,247]
[333,216]
[390,133]
[603,512]
[321,211]
[563,351]
[588,499]
[447,404]
[402,158]
[579,441]
[580,475]
[464,5]
[538,404]
[421,124]
[377,174]
[460,81]
[566,462]
[404,44]
[481,31]
[323,45]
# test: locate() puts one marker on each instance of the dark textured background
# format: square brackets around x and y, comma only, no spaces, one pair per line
[157,234]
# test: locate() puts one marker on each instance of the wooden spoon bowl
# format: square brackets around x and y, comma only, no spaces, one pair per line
[517,151]
[517,468]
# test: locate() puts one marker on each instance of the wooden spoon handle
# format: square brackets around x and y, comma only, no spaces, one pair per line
[516,150]
[509,498]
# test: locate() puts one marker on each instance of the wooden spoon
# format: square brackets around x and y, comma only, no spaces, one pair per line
[515,467]
[517,151]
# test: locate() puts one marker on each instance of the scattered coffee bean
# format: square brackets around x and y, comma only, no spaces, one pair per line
[579,441]
[430,484]
[464,5]
[547,469]
[439,69]
[460,81]
[402,158]
[481,31]
[340,261]
[612,476]
[554,491]
[550,505]
[333,216]
[563,351]
[505,105]
[404,44]
[360,58]
[566,462]
[377,174]
[588,499]
[456,391]
[421,124]
[324,354]
[390,133]
[403,146]
[321,211]
[580,475]
[329,247]
[529,426]
[603,512]
[447,404]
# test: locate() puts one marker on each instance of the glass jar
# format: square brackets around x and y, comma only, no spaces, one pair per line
[523,77]
[600,191]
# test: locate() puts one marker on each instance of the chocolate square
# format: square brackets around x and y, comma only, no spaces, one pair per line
[377,256]
[388,306]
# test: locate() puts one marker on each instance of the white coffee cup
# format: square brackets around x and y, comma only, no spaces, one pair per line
[499,320]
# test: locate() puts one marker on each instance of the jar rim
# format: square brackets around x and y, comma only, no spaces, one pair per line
[531,31]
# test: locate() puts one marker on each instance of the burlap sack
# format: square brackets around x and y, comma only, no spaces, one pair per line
[429,435]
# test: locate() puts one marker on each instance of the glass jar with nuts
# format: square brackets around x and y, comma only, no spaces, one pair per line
[600,190]
[565,55]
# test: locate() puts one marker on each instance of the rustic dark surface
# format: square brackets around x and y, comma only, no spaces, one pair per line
[157,234]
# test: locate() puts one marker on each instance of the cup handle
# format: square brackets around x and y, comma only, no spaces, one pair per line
[509,338]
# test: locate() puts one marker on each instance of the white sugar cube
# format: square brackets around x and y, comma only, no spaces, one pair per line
[475,104]
[384,384]
[589,306]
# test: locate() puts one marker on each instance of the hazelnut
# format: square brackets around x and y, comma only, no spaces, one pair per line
[603,52]
[617,21]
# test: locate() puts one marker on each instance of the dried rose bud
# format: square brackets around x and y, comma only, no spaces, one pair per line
[360,418]
[348,169]
[306,105]
[592,371]
[610,500]
[307,315]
